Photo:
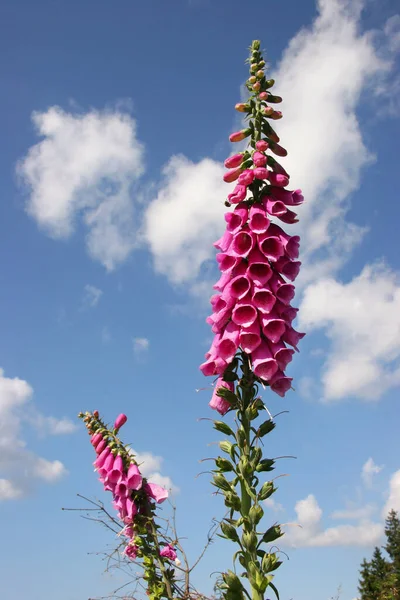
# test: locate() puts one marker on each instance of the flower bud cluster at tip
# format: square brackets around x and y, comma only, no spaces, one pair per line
[258,260]
[119,473]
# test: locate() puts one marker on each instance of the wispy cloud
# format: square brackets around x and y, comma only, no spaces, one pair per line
[91,296]
[141,346]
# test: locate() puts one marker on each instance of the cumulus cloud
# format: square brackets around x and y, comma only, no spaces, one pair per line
[91,296]
[362,321]
[150,466]
[185,217]
[83,168]
[354,513]
[393,501]
[369,470]
[310,532]
[19,466]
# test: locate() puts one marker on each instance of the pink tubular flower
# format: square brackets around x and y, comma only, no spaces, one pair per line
[239,193]
[232,175]
[250,337]
[134,479]
[117,470]
[217,402]
[131,551]
[264,364]
[95,439]
[259,159]
[242,243]
[168,552]
[280,384]
[229,342]
[261,173]
[236,219]
[119,421]
[258,220]
[233,161]
[279,180]
[246,177]
[262,145]
[158,493]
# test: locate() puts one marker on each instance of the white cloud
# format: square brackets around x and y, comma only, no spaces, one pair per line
[91,296]
[311,533]
[273,505]
[8,490]
[354,513]
[368,471]
[141,345]
[150,466]
[18,464]
[186,217]
[83,168]
[362,321]
[393,501]
[52,426]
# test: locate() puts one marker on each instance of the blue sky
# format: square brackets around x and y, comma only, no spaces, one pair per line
[115,119]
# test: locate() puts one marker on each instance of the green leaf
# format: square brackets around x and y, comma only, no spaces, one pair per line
[227,395]
[222,427]
[229,532]
[230,375]
[272,534]
[272,586]
[266,490]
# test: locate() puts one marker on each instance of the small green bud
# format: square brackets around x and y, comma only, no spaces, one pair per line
[267,464]
[249,540]
[229,532]
[252,79]
[221,482]
[272,534]
[265,428]
[256,513]
[253,67]
[232,500]
[266,491]
[260,74]
[224,465]
[226,446]
[232,581]
[222,427]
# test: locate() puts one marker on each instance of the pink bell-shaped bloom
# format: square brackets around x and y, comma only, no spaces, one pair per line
[100,460]
[168,552]
[232,175]
[119,421]
[220,319]
[292,337]
[226,262]
[242,243]
[217,302]
[250,337]
[224,242]
[158,493]
[128,531]
[271,246]
[280,384]
[288,313]
[117,471]
[281,354]
[290,198]
[214,365]
[223,281]
[217,402]
[291,243]
[279,180]
[134,479]
[259,270]
[131,551]
[275,208]
[237,288]
[289,217]
[238,195]
[261,173]
[262,145]
[229,342]
[283,291]
[288,268]
[121,489]
[244,314]
[264,300]
[264,364]
[246,177]
[273,327]
[236,219]
[258,220]
[259,159]
[277,149]
[233,161]
[107,466]
[131,509]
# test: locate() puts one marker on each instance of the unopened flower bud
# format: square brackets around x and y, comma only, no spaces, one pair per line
[241,107]
[278,150]
[261,64]
[276,115]
[275,99]
[262,145]
[119,421]
[269,83]
[252,79]
[233,161]
[263,95]
[232,175]
[260,74]
[268,111]
[256,86]
[238,136]
[96,414]
[253,67]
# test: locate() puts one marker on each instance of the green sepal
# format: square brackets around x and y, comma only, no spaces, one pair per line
[229,532]
[226,447]
[224,465]
[274,589]
[221,482]
[266,491]
[265,428]
[249,540]
[272,534]
[267,464]
[256,513]
[227,395]
[232,500]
